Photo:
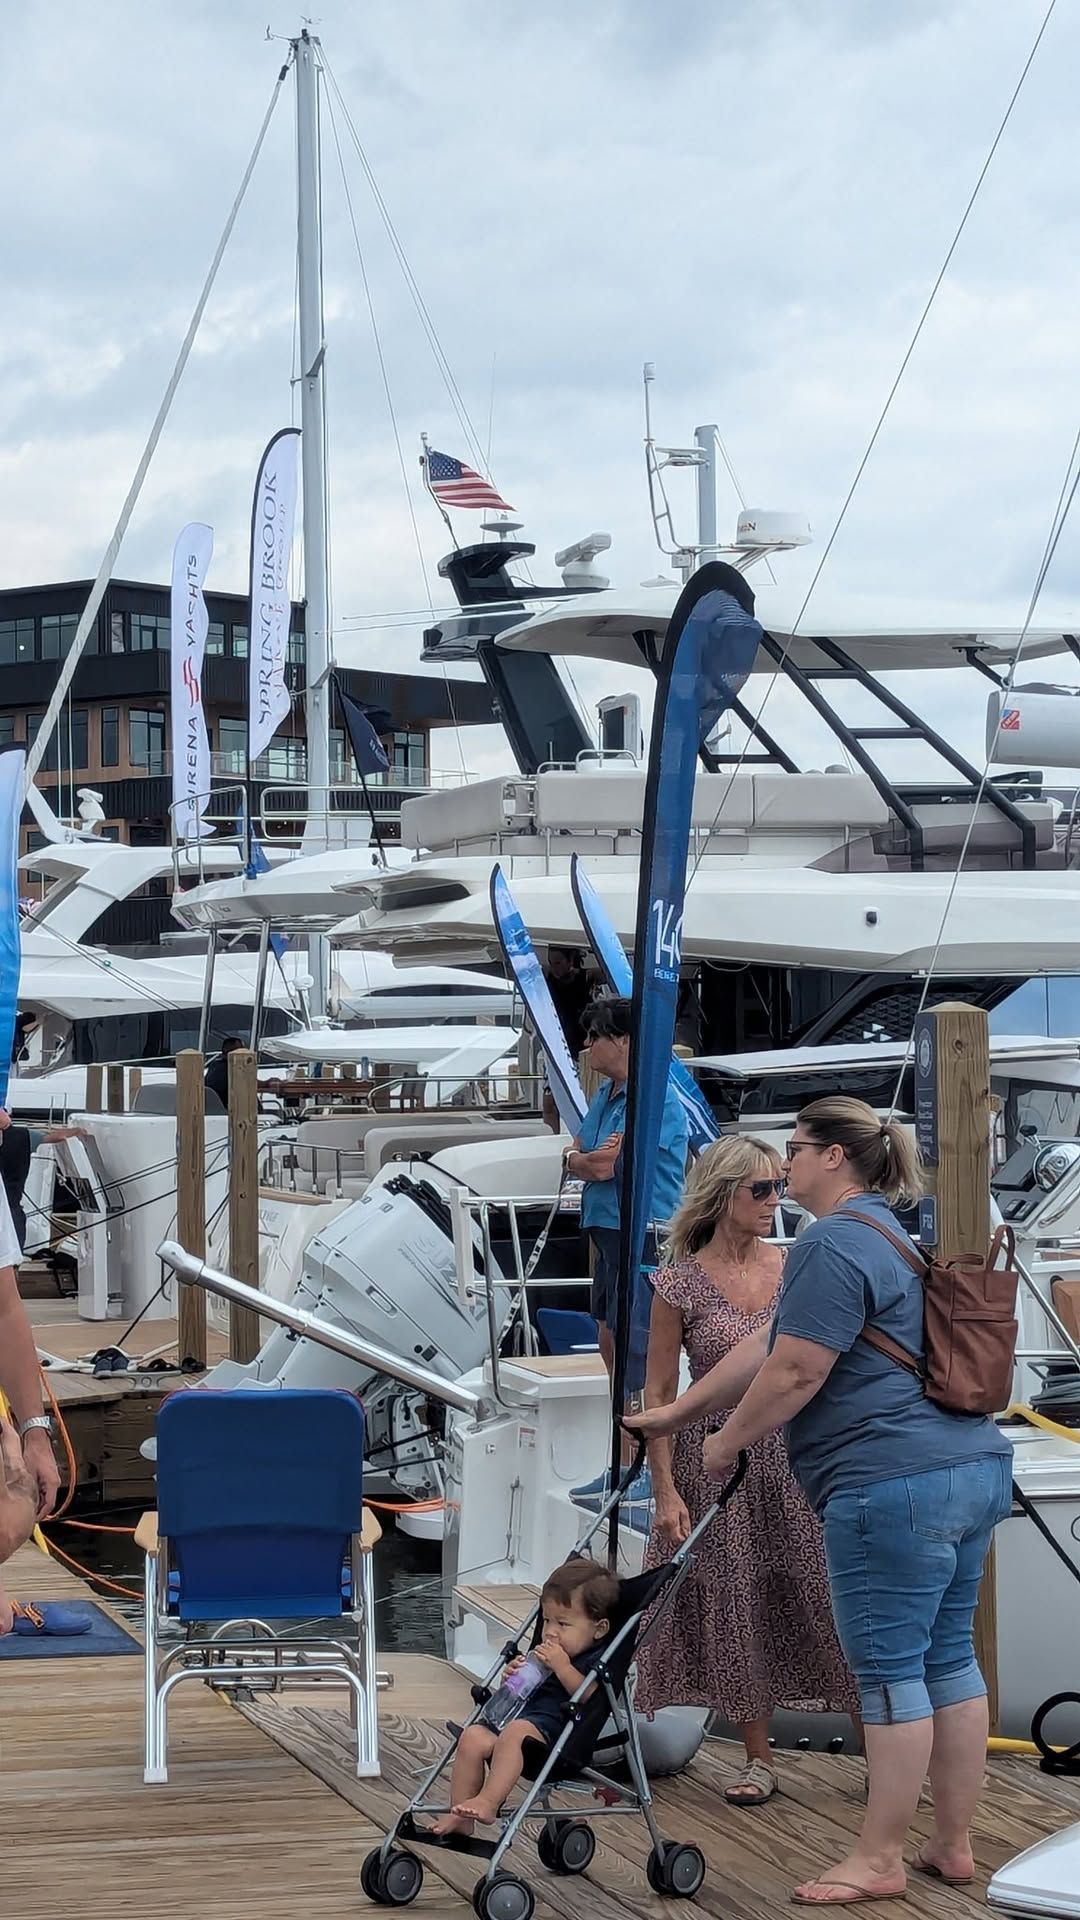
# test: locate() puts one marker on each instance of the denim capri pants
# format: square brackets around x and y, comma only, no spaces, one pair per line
[905,1560]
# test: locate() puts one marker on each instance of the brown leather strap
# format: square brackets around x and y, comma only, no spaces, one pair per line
[883,1342]
[892,1351]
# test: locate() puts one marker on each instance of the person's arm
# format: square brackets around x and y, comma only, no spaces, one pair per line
[598,1163]
[563,1668]
[793,1373]
[661,1387]
[717,1390]
[18,1494]
[20,1377]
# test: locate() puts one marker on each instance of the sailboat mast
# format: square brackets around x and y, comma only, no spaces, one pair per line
[313,452]
[313,414]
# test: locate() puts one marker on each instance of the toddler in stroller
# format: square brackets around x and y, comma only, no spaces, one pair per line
[576,1606]
[575,1734]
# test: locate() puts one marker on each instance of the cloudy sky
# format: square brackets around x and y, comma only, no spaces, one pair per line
[754,194]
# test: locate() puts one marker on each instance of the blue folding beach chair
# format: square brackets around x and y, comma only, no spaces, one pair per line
[260,1533]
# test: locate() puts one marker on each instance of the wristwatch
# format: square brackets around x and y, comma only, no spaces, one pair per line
[42,1420]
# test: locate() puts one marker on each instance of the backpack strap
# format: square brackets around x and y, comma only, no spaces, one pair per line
[883,1342]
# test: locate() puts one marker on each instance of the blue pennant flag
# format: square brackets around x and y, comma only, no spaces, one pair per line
[708,652]
[524,963]
[368,750]
[618,975]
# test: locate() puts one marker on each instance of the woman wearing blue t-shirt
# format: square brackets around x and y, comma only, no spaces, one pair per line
[909,1494]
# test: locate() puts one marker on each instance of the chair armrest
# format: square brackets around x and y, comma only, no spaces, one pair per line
[370,1531]
[146,1534]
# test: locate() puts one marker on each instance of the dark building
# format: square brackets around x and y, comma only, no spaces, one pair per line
[113,733]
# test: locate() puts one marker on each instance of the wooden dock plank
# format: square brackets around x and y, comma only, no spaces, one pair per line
[240,1832]
[755,1858]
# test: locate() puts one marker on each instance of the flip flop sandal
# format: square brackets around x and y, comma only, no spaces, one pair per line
[931,1872]
[846,1894]
[53,1617]
[753,1787]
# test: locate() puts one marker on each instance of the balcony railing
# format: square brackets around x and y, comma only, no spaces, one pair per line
[278,767]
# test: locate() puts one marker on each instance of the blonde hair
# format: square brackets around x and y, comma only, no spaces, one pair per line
[882,1154]
[711,1187]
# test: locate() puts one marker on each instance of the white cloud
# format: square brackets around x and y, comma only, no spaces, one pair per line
[756,195]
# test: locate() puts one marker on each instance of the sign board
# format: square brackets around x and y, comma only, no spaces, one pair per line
[926,1090]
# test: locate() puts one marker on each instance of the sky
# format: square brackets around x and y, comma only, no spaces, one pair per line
[756,195]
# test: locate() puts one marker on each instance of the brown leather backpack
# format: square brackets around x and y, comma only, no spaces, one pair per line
[969,1323]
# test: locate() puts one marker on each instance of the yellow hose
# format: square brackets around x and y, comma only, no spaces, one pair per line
[1020,1412]
[996,1745]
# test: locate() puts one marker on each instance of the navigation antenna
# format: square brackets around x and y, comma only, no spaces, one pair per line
[757,533]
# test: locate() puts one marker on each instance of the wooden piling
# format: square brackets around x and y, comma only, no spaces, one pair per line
[114,1081]
[94,1101]
[952,1048]
[243,1200]
[191,1198]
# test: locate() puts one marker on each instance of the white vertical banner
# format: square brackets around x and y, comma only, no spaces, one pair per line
[190,745]
[273,517]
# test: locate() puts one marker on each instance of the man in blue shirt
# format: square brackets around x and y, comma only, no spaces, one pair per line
[595,1159]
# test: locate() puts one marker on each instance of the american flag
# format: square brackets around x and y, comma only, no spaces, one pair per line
[1010,720]
[456,485]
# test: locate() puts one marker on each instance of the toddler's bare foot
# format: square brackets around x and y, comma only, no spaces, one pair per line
[481,1810]
[449,1823]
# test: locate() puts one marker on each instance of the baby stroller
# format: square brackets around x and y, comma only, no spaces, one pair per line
[587,1758]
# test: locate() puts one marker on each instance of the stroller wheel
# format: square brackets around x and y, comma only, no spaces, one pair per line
[503,1897]
[567,1849]
[676,1871]
[393,1882]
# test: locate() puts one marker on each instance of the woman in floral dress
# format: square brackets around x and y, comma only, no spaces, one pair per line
[752,1627]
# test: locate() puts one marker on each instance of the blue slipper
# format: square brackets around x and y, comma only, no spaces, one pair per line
[52,1616]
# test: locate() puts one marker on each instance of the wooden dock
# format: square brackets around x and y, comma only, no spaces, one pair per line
[263,1819]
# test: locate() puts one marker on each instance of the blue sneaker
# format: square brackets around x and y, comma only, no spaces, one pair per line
[597,1489]
[639,1492]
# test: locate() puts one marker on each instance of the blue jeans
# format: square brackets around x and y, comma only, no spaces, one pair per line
[905,1560]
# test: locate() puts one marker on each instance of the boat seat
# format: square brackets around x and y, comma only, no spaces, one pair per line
[481,811]
[398,1143]
[945,826]
[613,802]
[794,802]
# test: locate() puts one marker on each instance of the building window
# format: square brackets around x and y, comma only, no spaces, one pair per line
[149,630]
[408,759]
[240,643]
[146,738]
[116,633]
[68,745]
[232,745]
[33,723]
[110,736]
[340,767]
[215,637]
[297,649]
[16,641]
[74,734]
[7,729]
[57,634]
[283,760]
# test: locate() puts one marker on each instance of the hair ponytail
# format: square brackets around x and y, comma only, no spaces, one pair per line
[882,1153]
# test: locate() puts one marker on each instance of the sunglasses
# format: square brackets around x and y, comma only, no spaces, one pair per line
[766,1189]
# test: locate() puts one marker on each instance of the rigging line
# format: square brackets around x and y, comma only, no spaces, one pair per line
[739,494]
[97,591]
[891,395]
[385,376]
[1057,527]
[381,357]
[423,311]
